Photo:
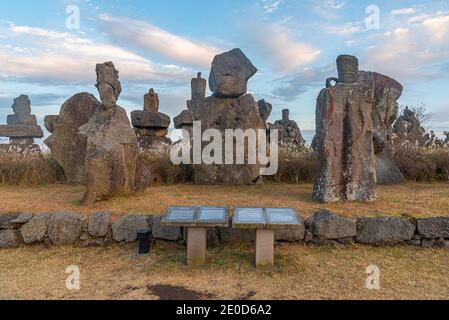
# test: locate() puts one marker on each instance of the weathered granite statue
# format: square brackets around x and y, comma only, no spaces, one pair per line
[111,151]
[67,145]
[289,133]
[408,127]
[21,128]
[151,125]
[185,119]
[199,87]
[386,92]
[344,138]
[230,107]
[151,101]
[265,109]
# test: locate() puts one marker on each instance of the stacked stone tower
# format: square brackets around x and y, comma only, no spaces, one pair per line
[289,133]
[151,126]
[22,127]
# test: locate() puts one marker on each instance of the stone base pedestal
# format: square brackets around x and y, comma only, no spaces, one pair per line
[196,246]
[264,248]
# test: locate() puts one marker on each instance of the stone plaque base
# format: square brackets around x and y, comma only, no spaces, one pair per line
[196,246]
[264,248]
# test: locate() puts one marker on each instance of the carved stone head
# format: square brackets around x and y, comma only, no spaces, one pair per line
[348,69]
[108,84]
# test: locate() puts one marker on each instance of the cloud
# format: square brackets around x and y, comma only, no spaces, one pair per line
[419,18]
[347,29]
[404,11]
[438,27]
[59,57]
[330,4]
[412,51]
[146,36]
[292,87]
[328,8]
[281,49]
[271,7]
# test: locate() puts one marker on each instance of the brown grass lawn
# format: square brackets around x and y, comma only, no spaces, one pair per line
[412,199]
[305,273]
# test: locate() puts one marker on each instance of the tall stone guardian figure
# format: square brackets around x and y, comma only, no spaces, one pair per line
[111,151]
[229,108]
[344,139]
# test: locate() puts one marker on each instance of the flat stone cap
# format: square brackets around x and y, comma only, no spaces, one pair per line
[21,131]
[149,119]
[185,118]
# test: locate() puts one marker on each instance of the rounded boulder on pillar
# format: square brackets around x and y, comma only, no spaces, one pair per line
[230,74]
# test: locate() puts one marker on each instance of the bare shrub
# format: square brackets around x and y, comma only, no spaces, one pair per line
[155,167]
[296,166]
[441,159]
[30,170]
[423,164]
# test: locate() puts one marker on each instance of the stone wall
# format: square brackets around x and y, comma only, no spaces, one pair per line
[323,227]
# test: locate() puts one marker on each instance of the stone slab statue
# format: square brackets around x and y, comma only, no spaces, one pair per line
[344,139]
[111,150]
[67,144]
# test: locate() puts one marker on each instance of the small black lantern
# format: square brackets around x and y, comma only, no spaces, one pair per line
[143,236]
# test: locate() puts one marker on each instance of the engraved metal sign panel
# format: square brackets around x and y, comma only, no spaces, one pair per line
[212,214]
[249,216]
[181,214]
[282,216]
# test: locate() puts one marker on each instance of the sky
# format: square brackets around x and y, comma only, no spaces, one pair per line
[47,55]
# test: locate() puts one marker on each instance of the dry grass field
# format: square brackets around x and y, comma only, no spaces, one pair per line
[304,273]
[411,199]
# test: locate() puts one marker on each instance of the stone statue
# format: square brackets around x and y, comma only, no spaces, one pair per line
[289,133]
[344,138]
[151,101]
[386,92]
[151,125]
[230,107]
[67,144]
[21,128]
[409,128]
[111,150]
[198,87]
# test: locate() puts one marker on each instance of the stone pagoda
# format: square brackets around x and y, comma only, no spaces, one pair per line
[21,128]
[289,133]
[151,126]
[185,119]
